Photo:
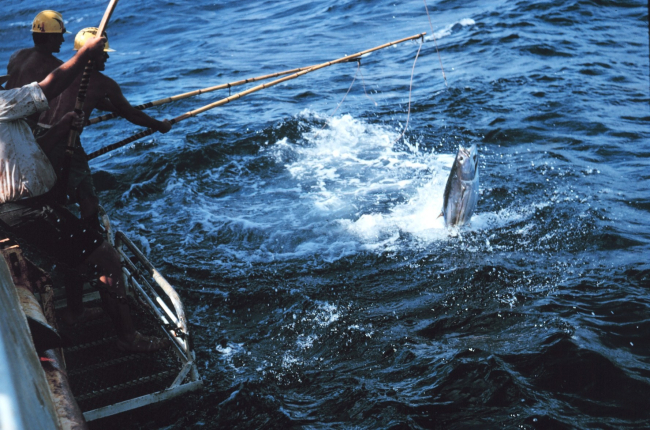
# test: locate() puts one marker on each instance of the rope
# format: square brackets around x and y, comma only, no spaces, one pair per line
[433,34]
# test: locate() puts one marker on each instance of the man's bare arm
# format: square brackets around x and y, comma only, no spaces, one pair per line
[61,78]
[124,108]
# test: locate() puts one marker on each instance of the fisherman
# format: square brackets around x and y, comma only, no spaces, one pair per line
[28,210]
[103,93]
[34,64]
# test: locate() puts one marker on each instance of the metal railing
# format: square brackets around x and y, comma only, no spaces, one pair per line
[156,294]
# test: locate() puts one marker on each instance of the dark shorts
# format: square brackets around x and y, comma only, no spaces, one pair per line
[80,181]
[49,229]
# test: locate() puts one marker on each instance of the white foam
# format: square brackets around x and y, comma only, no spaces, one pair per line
[351,163]
[228,351]
[335,191]
[326,314]
[419,216]
[446,31]
[288,360]
[306,342]
[226,354]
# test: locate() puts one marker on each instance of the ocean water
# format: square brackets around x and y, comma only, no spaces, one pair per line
[322,289]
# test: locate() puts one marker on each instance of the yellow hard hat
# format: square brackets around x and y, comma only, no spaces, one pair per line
[88,33]
[49,21]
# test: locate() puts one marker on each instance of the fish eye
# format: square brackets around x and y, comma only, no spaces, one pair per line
[461,158]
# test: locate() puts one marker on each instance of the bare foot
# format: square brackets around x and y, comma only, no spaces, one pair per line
[141,343]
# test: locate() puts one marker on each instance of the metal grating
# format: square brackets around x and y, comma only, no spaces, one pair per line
[101,375]
[106,381]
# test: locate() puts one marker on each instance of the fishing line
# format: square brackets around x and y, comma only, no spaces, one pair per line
[222,102]
[408,114]
[358,72]
[433,34]
[346,94]
[364,87]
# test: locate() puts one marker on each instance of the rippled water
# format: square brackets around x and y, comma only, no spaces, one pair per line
[322,288]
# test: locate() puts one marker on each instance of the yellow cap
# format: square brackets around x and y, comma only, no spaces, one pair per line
[88,33]
[49,21]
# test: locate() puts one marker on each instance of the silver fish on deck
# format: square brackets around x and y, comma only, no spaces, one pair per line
[461,192]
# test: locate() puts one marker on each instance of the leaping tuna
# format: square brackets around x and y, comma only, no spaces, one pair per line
[461,192]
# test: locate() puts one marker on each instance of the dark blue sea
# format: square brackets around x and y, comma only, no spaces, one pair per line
[322,289]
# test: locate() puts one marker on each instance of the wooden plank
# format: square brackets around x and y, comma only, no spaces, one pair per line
[25,400]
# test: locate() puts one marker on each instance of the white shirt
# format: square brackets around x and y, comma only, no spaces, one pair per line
[25,170]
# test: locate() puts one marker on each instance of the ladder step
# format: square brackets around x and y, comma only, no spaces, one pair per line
[102,365]
[130,384]
[92,344]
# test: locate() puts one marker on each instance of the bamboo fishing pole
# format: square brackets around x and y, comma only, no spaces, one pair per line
[79,106]
[108,116]
[221,102]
